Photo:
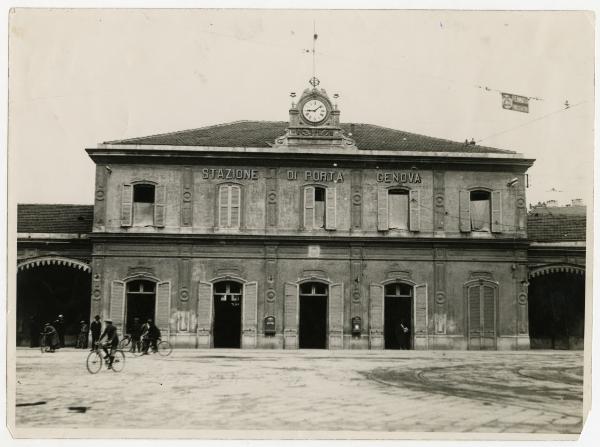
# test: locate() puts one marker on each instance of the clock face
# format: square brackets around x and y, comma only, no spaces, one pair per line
[314,110]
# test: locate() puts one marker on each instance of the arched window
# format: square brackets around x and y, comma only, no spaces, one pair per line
[230,197]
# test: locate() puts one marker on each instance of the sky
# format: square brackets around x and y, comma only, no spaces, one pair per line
[81,77]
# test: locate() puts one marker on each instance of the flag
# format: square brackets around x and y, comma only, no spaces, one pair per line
[515,102]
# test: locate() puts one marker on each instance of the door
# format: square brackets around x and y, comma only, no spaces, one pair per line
[227,327]
[313,316]
[482,316]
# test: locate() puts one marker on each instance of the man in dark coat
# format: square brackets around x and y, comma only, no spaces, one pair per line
[112,341]
[150,335]
[95,328]
[136,332]
[59,325]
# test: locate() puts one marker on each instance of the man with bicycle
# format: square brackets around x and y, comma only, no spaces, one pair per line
[150,336]
[112,341]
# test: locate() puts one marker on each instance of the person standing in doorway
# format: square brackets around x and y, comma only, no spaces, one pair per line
[136,333]
[82,339]
[60,329]
[95,328]
[405,343]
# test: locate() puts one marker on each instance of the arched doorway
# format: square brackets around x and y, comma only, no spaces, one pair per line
[46,289]
[557,309]
[312,327]
[140,303]
[227,325]
[398,311]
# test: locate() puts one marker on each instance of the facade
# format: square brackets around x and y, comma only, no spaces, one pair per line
[312,233]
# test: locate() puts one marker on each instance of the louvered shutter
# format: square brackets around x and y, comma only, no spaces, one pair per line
[290,320]
[488,318]
[420,322]
[336,316]
[474,315]
[330,208]
[126,205]
[205,300]
[160,198]
[376,301]
[309,207]
[414,200]
[117,304]
[465,210]
[496,211]
[382,209]
[235,206]
[163,307]
[249,315]
[223,206]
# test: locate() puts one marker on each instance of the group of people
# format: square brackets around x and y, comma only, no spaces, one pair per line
[143,336]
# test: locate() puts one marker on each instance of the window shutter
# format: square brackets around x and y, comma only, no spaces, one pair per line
[309,207]
[465,210]
[496,211]
[488,318]
[163,307]
[205,301]
[376,300]
[330,204]
[223,206]
[474,314]
[117,304]
[160,198]
[235,205]
[126,205]
[290,318]
[336,316]
[414,200]
[420,324]
[382,208]
[249,315]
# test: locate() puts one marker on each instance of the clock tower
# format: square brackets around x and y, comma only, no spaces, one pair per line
[314,121]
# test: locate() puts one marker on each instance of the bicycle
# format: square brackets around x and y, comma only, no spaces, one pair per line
[96,358]
[163,348]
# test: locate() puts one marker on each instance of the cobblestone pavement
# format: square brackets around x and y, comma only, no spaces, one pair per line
[399,391]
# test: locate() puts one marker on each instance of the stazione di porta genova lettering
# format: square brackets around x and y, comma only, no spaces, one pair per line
[308,175]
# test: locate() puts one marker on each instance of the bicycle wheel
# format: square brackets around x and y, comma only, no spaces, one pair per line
[94,362]
[119,361]
[164,348]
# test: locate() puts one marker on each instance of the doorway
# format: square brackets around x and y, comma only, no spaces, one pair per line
[312,326]
[141,302]
[227,328]
[398,324]
[557,311]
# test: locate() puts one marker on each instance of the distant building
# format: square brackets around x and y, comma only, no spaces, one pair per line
[310,233]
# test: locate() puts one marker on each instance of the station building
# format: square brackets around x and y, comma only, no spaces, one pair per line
[309,233]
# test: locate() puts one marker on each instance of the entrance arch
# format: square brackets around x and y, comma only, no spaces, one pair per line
[227,314]
[313,312]
[46,287]
[398,327]
[556,307]
[140,302]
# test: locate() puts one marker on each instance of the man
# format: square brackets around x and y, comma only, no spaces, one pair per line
[60,329]
[150,336]
[136,332]
[96,328]
[51,337]
[82,340]
[112,341]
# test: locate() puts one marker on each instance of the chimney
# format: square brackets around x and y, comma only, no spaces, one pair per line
[577,202]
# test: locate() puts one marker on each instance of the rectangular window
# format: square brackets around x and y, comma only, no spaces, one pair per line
[398,209]
[143,205]
[229,206]
[480,211]
[319,207]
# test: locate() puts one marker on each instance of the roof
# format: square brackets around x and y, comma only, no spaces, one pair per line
[542,227]
[263,133]
[35,218]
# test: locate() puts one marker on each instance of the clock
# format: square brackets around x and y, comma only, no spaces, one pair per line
[314,110]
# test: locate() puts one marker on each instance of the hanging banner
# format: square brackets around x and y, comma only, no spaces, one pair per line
[515,102]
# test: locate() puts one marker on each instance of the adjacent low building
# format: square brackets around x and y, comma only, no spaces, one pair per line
[313,233]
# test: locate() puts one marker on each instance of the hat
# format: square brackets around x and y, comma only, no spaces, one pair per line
[82,321]
[60,316]
[108,320]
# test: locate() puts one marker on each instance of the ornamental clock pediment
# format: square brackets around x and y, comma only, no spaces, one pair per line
[314,121]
